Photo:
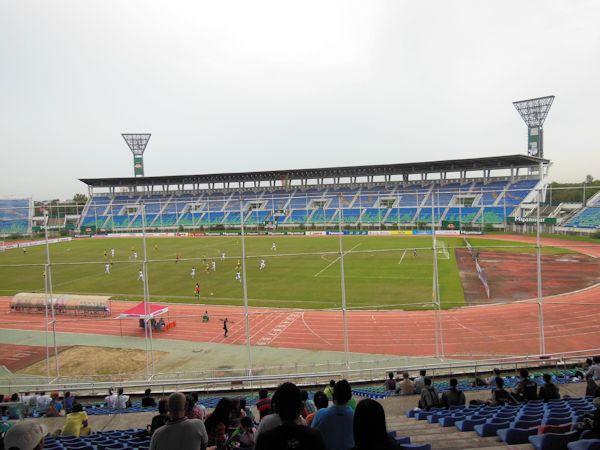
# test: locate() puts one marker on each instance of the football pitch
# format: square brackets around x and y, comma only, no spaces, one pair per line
[303,272]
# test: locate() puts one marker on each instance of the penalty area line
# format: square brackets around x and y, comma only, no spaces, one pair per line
[403,255]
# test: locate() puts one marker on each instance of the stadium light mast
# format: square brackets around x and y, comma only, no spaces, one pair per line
[534,112]
[137,144]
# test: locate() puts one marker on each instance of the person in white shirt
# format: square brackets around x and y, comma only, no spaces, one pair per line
[262,264]
[42,403]
[110,399]
[122,400]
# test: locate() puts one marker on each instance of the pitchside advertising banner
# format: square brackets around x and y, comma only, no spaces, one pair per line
[526,220]
[11,245]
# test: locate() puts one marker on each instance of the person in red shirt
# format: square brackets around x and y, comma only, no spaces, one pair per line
[197,291]
[264,403]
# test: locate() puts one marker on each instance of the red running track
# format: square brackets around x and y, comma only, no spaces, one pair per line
[570,323]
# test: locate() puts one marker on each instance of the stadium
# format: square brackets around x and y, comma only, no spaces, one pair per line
[341,302]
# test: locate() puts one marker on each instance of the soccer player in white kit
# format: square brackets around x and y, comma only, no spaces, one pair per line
[140,275]
[238,276]
[112,252]
[262,264]
[107,268]
[274,247]
[135,255]
[213,266]
[223,256]
[193,273]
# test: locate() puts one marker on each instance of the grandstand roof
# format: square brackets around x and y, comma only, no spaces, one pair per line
[451,165]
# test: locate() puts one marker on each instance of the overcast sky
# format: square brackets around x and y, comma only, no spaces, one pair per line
[258,85]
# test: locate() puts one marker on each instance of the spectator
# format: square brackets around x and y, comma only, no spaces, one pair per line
[147,399]
[336,422]
[594,369]
[429,396]
[590,427]
[111,399]
[122,400]
[217,423]
[192,411]
[500,396]
[161,418]
[274,420]
[370,431]
[549,391]
[591,388]
[15,412]
[308,405]
[201,408]
[390,383]
[406,386]
[179,432]
[244,436]
[329,389]
[420,381]
[263,404]
[235,417]
[321,401]
[68,402]
[42,402]
[525,389]
[247,411]
[491,381]
[26,400]
[54,407]
[33,401]
[453,396]
[28,435]
[289,435]
[76,423]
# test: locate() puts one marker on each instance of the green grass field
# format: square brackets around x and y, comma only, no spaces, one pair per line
[303,271]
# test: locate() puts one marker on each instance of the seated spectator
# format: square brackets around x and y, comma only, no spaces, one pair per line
[591,388]
[147,399]
[406,386]
[370,431]
[589,428]
[192,410]
[217,423]
[247,411]
[244,436]
[274,420]
[54,407]
[453,396]
[76,423]
[42,402]
[336,422]
[161,418]
[263,404]
[179,432]
[28,435]
[308,406]
[289,435]
[429,396]
[549,391]
[594,369]
[26,400]
[525,389]
[122,401]
[501,396]
[111,398]
[491,381]
[235,417]
[68,402]
[329,389]
[390,383]
[15,412]
[321,401]
[420,381]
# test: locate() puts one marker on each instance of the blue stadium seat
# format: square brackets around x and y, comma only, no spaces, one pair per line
[584,444]
[553,441]
[489,429]
[514,436]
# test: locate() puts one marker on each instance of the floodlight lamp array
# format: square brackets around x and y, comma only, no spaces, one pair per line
[535,110]
[137,142]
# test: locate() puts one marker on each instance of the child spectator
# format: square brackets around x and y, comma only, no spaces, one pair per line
[263,404]
[370,431]
[453,396]
[244,435]
[390,383]
[549,391]
[321,401]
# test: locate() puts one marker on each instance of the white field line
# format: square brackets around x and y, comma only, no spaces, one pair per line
[403,255]
[333,262]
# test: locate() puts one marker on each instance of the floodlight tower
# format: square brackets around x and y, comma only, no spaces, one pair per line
[534,112]
[137,144]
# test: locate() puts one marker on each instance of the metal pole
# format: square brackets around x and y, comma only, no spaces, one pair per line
[245,287]
[49,292]
[434,288]
[343,287]
[539,275]
[147,321]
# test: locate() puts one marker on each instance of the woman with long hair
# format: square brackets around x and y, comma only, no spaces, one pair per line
[217,423]
[370,431]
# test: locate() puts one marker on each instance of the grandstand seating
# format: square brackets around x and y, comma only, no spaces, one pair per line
[588,218]
[15,216]
[393,204]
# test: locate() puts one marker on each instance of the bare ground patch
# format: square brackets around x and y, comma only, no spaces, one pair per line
[81,361]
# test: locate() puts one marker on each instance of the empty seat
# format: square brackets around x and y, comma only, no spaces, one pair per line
[584,444]
[489,429]
[469,424]
[513,436]
[553,441]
